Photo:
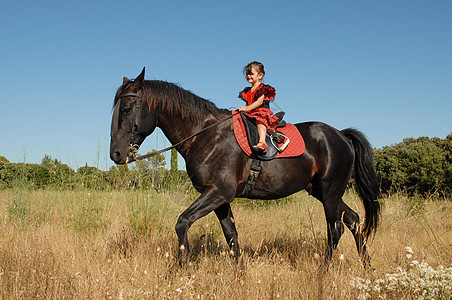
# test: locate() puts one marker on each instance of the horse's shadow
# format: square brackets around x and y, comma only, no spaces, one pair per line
[283,248]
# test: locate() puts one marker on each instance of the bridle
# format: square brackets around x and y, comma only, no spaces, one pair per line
[133,148]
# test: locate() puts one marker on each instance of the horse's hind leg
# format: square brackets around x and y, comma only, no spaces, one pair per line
[224,214]
[335,227]
[351,220]
[337,214]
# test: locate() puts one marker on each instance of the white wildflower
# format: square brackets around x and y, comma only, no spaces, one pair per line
[420,280]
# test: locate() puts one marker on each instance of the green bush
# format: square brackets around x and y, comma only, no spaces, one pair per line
[421,165]
[5,174]
[92,178]
[60,176]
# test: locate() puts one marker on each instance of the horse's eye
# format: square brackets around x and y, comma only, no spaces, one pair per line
[127,110]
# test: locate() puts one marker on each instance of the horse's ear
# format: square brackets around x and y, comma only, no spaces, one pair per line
[125,80]
[140,79]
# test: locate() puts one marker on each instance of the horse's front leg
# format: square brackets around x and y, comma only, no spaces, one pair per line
[208,201]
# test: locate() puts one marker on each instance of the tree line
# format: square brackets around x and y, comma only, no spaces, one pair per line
[53,174]
[416,165]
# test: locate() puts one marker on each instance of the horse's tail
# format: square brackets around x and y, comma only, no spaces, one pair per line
[366,182]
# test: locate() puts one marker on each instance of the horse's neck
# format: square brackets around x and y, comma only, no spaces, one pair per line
[180,119]
[177,129]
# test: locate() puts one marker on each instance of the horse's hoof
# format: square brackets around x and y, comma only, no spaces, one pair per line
[240,266]
[183,261]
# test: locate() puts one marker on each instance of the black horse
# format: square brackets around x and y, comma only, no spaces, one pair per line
[219,169]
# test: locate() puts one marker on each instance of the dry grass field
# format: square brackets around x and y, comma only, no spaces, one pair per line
[122,245]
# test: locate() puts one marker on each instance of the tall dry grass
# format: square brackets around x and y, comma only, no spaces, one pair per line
[122,245]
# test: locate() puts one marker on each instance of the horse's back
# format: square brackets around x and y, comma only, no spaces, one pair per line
[320,138]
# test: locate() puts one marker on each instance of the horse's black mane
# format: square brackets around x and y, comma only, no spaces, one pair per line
[174,100]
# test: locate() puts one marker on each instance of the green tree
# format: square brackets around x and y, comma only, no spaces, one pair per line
[118,176]
[61,175]
[174,166]
[48,161]
[149,172]
[446,145]
[157,161]
[418,165]
[5,175]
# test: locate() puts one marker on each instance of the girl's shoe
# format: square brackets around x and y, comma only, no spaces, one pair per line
[260,147]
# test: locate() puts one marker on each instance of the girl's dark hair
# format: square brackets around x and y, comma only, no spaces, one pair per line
[259,67]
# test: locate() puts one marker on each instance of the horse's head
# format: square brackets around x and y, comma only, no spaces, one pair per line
[131,122]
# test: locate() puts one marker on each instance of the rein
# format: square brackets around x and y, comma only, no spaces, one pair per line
[133,148]
[177,144]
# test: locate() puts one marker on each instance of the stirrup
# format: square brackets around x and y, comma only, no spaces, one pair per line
[284,146]
[280,138]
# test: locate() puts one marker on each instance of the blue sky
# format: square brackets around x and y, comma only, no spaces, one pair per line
[383,67]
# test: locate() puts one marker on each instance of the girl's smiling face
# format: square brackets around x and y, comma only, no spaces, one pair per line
[254,76]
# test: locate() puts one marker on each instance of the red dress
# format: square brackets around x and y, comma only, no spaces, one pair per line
[261,114]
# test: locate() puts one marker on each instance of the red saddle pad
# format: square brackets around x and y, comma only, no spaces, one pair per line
[296,146]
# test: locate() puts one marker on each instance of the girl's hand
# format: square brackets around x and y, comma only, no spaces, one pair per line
[241,108]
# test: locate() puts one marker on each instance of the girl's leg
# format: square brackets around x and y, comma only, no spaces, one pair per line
[262,132]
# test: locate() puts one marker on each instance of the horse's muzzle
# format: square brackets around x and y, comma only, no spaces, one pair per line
[121,158]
